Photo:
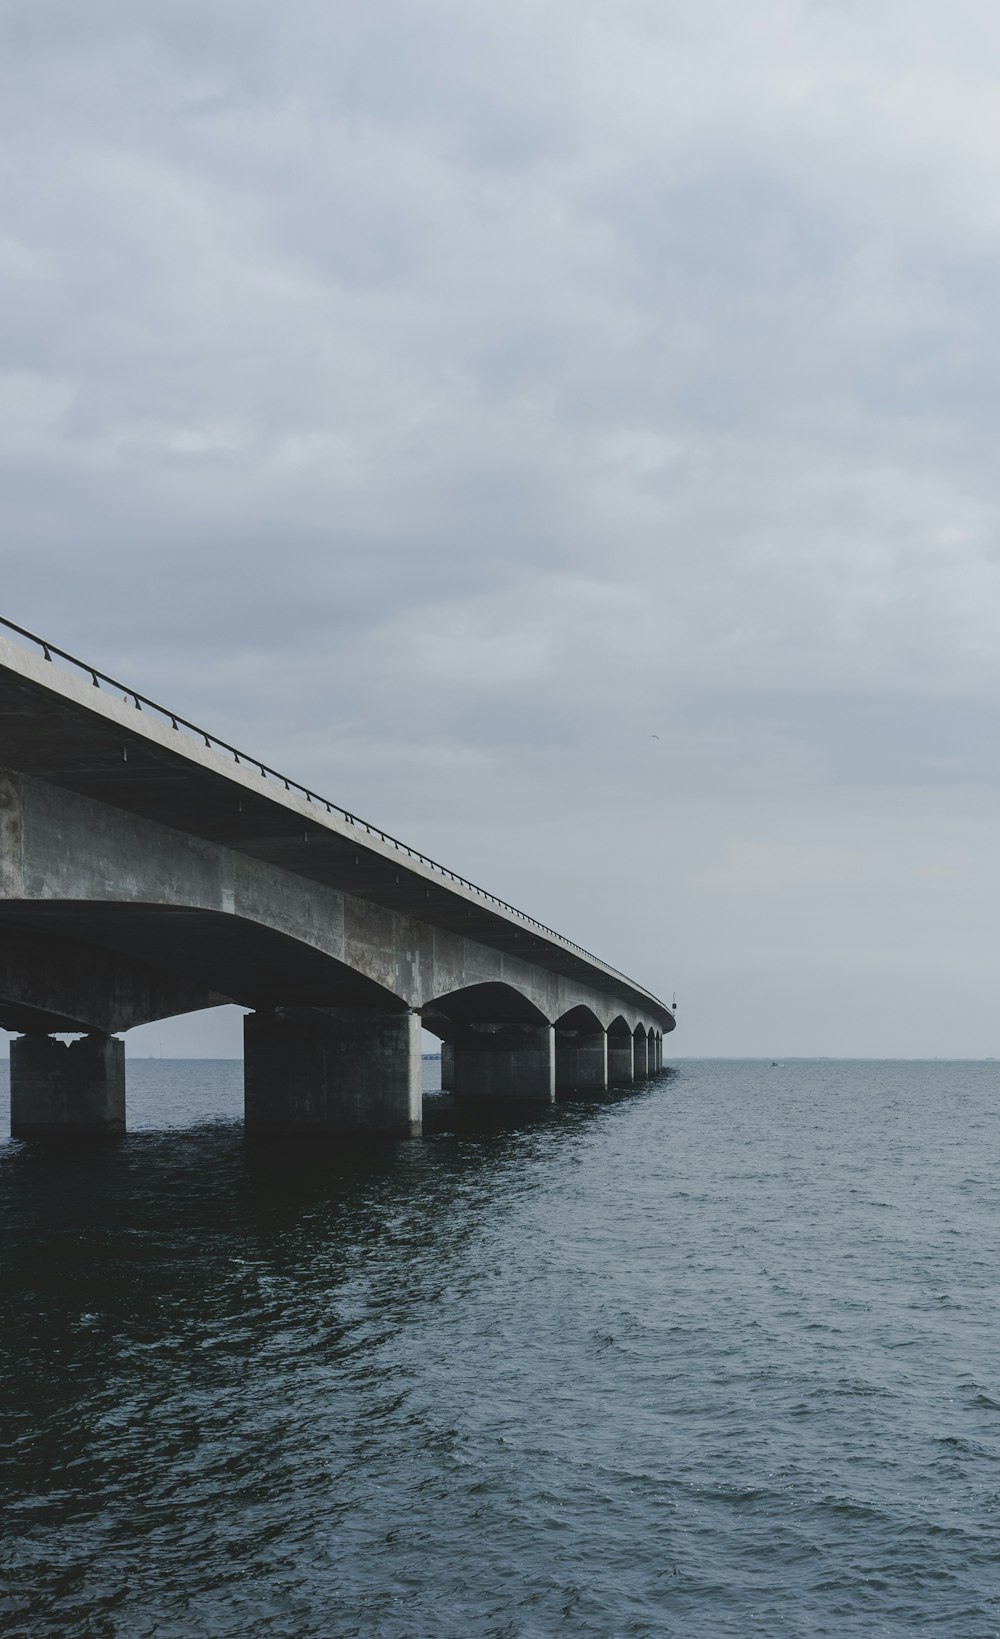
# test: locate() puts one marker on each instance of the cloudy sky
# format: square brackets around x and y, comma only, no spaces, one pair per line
[563,431]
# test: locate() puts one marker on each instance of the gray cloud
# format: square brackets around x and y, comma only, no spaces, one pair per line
[442,402]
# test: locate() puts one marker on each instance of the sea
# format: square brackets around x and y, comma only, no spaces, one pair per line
[719,1355]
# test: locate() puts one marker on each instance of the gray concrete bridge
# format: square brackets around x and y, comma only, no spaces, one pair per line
[148,869]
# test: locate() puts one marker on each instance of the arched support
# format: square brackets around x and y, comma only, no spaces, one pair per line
[640,1055]
[67,1089]
[496,1044]
[338,1070]
[52,981]
[620,1054]
[581,1053]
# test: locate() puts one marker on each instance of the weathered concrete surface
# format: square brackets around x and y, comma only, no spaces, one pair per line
[67,1089]
[332,1072]
[515,1063]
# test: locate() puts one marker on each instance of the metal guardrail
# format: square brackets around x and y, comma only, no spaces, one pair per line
[143,703]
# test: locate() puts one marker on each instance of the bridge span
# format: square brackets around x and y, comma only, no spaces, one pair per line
[148,869]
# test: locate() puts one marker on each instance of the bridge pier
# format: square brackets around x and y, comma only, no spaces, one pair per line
[640,1058]
[581,1061]
[620,1060]
[515,1063]
[67,1089]
[342,1070]
[447,1067]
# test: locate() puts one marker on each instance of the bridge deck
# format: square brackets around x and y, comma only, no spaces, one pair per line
[65,728]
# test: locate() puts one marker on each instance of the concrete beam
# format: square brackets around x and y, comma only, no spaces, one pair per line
[67,1089]
[513,1063]
[77,869]
[338,1071]
[640,1058]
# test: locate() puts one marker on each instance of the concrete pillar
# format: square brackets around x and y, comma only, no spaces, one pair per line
[620,1064]
[581,1061]
[509,1062]
[338,1071]
[640,1057]
[64,1089]
[447,1067]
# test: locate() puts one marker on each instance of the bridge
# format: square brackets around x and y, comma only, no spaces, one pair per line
[148,869]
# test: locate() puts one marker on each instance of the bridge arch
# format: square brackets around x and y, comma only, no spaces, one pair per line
[579,1018]
[621,1052]
[480,1006]
[581,1052]
[495,1043]
[109,966]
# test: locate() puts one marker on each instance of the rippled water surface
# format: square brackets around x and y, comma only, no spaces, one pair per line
[721,1356]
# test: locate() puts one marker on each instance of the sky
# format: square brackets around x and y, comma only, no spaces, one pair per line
[562,432]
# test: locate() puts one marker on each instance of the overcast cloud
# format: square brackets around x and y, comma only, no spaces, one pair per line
[564,431]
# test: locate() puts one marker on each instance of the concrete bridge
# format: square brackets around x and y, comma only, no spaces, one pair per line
[148,869]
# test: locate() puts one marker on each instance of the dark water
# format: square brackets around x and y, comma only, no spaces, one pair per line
[720,1357]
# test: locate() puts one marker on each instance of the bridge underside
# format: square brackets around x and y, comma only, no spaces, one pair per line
[110,967]
[326,1048]
[109,920]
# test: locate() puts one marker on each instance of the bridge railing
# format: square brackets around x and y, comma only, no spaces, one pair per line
[142,702]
